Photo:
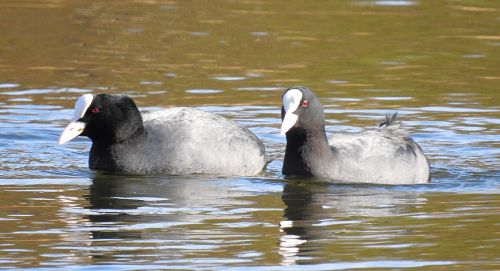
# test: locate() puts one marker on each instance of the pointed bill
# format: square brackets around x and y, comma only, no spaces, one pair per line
[71,131]
[291,102]
[288,122]
[76,127]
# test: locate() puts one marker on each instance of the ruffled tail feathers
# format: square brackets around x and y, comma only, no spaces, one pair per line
[390,121]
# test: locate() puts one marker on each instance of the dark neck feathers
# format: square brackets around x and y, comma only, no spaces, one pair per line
[307,152]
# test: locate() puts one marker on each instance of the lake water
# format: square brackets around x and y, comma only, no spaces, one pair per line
[435,62]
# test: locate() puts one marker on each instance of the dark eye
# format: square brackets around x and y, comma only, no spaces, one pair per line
[305,103]
[95,110]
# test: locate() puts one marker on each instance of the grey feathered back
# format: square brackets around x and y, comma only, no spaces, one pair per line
[184,141]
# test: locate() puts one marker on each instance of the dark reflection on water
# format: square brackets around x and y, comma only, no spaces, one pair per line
[435,62]
[170,219]
[297,223]
[312,208]
[348,223]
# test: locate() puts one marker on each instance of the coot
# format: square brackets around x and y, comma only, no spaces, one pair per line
[386,155]
[177,141]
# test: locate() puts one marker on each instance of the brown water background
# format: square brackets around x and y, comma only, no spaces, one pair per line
[435,62]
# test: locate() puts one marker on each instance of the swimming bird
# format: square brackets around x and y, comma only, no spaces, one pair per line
[386,155]
[176,141]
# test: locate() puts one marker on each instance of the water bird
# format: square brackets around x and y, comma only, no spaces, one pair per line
[177,141]
[386,155]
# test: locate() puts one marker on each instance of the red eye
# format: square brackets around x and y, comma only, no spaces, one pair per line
[95,110]
[305,103]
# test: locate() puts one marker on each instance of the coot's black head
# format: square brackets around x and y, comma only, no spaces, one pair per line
[301,111]
[103,118]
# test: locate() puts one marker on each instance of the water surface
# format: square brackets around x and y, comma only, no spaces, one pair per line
[435,62]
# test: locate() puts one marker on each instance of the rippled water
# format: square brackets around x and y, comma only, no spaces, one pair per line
[435,62]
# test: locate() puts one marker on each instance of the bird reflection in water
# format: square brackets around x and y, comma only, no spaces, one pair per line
[159,216]
[297,198]
[316,211]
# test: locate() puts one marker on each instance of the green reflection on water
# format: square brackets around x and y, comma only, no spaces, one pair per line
[423,50]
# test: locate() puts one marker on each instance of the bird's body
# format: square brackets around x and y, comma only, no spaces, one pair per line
[175,141]
[386,155]
[378,156]
[182,141]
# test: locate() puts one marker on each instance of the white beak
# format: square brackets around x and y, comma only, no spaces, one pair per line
[76,127]
[71,131]
[291,102]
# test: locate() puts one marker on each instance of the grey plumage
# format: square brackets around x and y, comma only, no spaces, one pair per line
[386,155]
[177,141]
[183,141]
[390,120]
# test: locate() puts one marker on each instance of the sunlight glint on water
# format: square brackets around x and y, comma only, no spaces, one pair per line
[434,62]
